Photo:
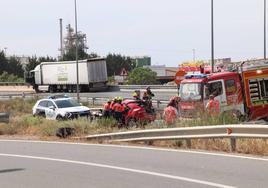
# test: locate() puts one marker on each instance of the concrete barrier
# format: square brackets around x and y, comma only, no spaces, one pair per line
[12,83]
[14,88]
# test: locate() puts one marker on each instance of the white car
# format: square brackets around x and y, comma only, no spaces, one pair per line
[59,108]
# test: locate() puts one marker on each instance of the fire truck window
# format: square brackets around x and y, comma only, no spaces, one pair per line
[258,89]
[215,88]
[264,88]
[230,86]
[206,91]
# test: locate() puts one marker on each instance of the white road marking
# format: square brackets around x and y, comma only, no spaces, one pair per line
[122,169]
[144,148]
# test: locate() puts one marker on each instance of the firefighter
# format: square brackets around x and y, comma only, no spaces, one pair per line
[176,100]
[118,110]
[114,101]
[170,112]
[147,97]
[148,94]
[107,109]
[137,95]
[213,106]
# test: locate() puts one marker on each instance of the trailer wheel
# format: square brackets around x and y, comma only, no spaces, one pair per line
[35,87]
[51,89]
[36,90]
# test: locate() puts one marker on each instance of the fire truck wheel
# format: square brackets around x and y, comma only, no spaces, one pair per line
[265,119]
[237,114]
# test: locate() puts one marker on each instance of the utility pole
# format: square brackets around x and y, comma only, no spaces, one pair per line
[212,36]
[61,40]
[264,29]
[194,55]
[76,53]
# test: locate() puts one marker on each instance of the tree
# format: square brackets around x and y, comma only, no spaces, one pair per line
[3,62]
[6,77]
[10,65]
[142,76]
[15,67]
[116,62]
[34,61]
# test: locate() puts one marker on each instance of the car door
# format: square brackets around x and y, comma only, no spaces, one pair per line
[41,108]
[51,110]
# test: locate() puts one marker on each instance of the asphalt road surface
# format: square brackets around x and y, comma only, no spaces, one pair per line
[163,94]
[45,164]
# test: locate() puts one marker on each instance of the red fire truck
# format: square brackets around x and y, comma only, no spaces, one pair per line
[243,91]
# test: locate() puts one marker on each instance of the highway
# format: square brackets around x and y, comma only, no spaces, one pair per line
[53,164]
[161,94]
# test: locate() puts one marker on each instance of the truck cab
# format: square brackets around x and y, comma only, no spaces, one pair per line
[244,92]
[196,88]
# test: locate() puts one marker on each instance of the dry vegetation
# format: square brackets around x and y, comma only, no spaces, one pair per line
[22,123]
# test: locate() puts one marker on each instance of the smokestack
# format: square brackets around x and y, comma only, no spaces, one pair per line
[61,40]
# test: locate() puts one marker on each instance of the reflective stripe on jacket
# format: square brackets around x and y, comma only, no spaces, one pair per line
[213,107]
[118,107]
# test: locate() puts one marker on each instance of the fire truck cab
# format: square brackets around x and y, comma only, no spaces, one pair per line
[243,92]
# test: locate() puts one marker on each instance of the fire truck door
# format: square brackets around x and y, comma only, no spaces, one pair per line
[216,88]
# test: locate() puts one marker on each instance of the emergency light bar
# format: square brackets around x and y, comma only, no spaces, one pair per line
[189,76]
[58,96]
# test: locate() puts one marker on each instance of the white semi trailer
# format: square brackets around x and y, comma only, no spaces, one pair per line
[62,76]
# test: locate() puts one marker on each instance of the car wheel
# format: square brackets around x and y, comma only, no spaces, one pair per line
[59,118]
[132,122]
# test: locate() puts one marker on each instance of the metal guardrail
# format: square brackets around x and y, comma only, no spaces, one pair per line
[158,103]
[133,87]
[110,86]
[232,132]
[94,101]
[13,83]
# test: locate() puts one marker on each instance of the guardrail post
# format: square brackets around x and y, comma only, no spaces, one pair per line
[93,101]
[232,144]
[23,95]
[188,143]
[158,103]
[88,103]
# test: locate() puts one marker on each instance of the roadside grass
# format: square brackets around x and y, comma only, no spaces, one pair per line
[203,120]
[39,126]
[245,146]
[22,123]
[17,106]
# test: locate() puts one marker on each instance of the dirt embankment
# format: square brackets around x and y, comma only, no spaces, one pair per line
[16,89]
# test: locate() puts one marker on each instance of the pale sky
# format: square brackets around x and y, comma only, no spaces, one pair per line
[166,30]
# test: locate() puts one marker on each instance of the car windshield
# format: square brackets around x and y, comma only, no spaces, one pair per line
[190,91]
[66,103]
